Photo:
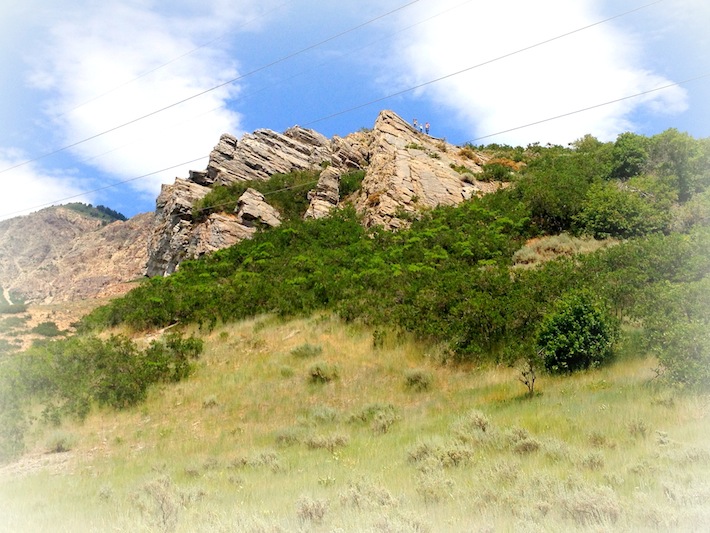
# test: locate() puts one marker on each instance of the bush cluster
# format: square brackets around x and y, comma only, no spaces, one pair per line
[448,278]
[69,376]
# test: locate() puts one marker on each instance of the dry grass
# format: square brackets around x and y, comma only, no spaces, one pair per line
[543,249]
[245,446]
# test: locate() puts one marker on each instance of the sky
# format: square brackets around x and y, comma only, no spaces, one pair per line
[102,101]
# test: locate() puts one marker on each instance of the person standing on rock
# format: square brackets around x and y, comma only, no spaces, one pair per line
[415,123]
[426,127]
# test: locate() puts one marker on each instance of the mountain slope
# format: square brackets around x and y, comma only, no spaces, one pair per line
[58,254]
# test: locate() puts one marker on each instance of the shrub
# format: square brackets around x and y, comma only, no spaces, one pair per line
[327,442]
[311,510]
[60,442]
[578,334]
[305,351]
[350,182]
[418,380]
[47,329]
[322,373]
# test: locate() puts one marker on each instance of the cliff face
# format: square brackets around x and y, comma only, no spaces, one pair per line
[409,171]
[176,236]
[57,255]
[406,172]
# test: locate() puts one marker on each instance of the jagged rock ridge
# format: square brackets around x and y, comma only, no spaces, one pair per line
[406,172]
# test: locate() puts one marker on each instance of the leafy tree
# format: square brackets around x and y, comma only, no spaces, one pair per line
[678,156]
[554,186]
[629,156]
[610,210]
[578,334]
[676,319]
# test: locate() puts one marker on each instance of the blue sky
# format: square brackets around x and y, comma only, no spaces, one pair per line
[74,72]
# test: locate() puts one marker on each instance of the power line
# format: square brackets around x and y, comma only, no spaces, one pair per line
[707,74]
[398,93]
[248,94]
[504,56]
[215,87]
[688,80]
[171,61]
[79,195]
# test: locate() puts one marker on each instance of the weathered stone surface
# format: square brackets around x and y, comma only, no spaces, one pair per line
[259,155]
[325,197]
[252,208]
[59,255]
[218,231]
[171,238]
[410,171]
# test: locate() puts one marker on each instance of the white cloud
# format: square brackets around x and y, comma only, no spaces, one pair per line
[581,70]
[29,188]
[109,63]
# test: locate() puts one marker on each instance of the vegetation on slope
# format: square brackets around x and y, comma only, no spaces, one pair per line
[251,443]
[101,212]
[449,281]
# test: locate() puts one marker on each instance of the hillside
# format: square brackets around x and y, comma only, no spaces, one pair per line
[396,442]
[531,355]
[61,254]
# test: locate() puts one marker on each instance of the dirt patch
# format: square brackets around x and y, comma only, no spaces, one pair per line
[54,463]
[63,314]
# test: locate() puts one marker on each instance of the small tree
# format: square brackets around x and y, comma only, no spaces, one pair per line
[578,334]
[528,371]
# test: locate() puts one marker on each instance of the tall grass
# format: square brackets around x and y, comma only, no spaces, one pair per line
[244,446]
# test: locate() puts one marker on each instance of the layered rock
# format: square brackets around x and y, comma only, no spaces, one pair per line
[178,236]
[410,171]
[406,172]
[326,196]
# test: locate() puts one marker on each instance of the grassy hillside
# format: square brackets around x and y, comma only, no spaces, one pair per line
[536,359]
[396,442]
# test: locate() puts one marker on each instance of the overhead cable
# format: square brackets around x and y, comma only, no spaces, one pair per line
[213,88]
[462,71]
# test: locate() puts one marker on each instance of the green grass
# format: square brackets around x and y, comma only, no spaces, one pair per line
[244,446]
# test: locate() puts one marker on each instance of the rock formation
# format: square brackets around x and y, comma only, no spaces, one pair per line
[410,171]
[177,236]
[406,172]
[58,254]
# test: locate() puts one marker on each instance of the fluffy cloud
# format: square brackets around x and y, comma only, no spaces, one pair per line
[30,188]
[110,63]
[581,70]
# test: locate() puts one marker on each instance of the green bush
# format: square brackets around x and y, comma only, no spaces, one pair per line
[578,334]
[305,351]
[67,376]
[350,182]
[322,373]
[47,329]
[418,380]
[610,211]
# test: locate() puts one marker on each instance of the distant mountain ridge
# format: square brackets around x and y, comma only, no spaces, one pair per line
[61,254]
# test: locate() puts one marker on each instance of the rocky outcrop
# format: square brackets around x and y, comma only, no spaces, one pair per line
[177,235]
[59,255]
[410,171]
[326,196]
[171,239]
[406,172]
[264,153]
